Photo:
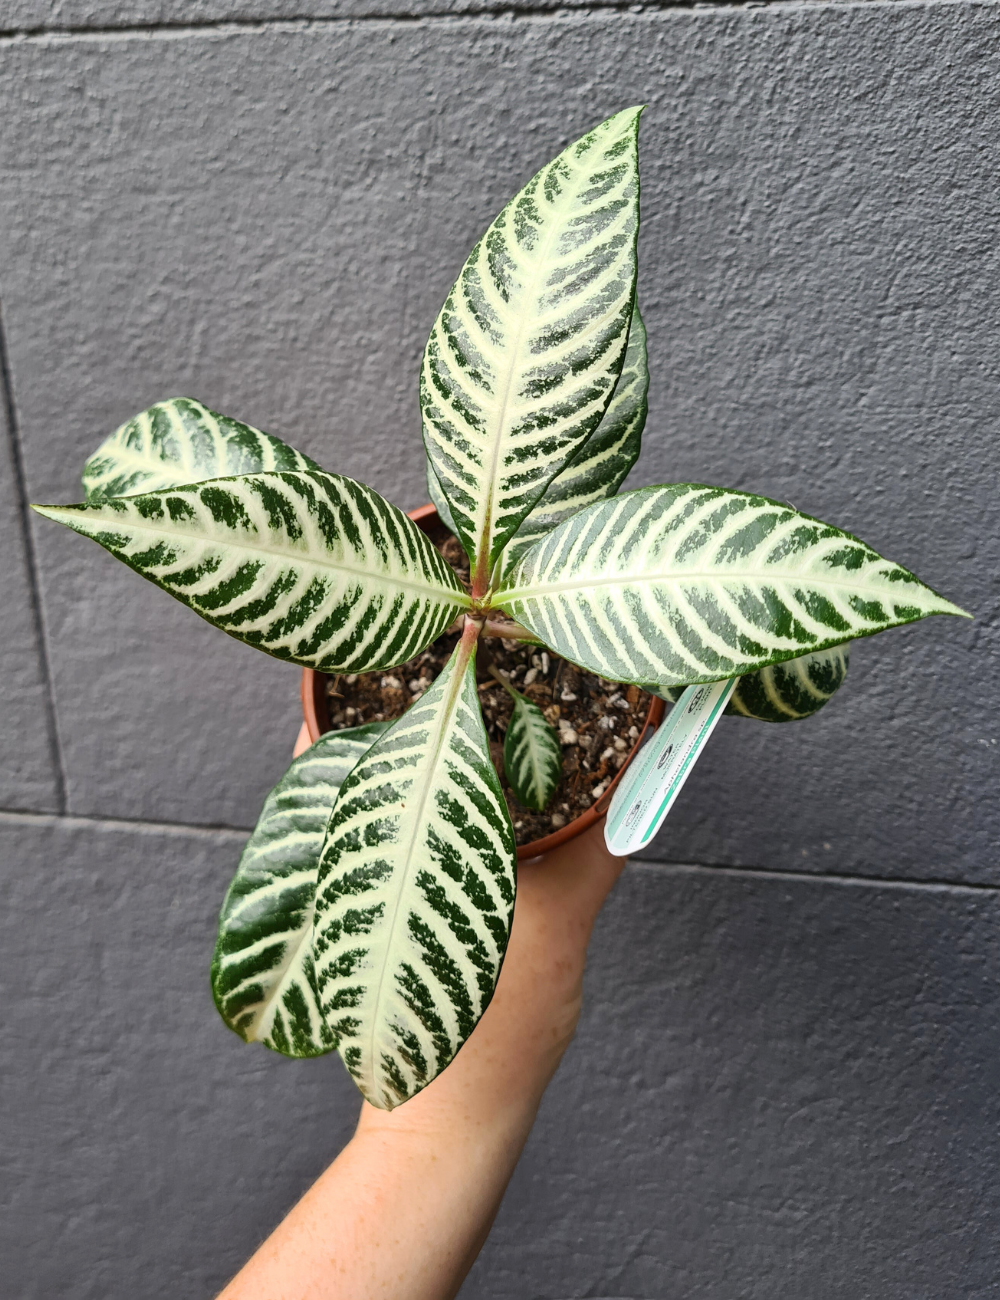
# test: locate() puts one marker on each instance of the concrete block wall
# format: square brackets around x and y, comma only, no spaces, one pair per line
[785,1081]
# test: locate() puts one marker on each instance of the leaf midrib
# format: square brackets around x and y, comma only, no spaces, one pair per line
[620,580]
[205,539]
[305,938]
[540,260]
[537,753]
[448,707]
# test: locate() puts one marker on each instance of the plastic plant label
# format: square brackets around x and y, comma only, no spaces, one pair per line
[657,774]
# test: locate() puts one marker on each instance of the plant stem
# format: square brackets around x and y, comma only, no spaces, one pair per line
[471,628]
[499,627]
[509,630]
[503,682]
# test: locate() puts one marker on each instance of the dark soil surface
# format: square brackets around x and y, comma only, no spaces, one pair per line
[597,721]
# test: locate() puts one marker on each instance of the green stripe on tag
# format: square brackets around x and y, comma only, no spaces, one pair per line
[655,778]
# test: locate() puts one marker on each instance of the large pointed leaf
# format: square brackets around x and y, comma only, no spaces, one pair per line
[785,692]
[262,969]
[598,470]
[310,567]
[439,500]
[416,893]
[181,441]
[524,357]
[684,583]
[532,757]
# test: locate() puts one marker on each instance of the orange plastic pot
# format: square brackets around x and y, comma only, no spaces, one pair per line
[316,713]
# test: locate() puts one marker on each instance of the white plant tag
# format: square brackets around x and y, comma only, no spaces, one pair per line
[654,779]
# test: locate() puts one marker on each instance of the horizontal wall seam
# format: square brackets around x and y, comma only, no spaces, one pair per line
[535,12]
[928,884]
[13,817]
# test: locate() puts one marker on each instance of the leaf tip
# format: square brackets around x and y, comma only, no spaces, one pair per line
[944,606]
[51,512]
[630,116]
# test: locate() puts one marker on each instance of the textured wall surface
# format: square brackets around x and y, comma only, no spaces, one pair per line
[783,1083]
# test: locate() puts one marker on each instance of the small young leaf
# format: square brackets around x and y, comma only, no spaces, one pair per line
[416,893]
[178,442]
[525,354]
[532,757]
[601,466]
[262,968]
[307,566]
[684,583]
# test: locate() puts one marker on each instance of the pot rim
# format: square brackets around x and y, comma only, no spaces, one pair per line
[315,711]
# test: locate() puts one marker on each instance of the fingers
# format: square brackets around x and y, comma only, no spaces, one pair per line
[302,742]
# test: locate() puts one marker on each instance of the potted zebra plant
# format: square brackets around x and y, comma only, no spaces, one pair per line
[372,906]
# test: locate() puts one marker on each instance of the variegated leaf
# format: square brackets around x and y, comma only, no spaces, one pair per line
[262,969]
[181,441]
[532,757]
[307,566]
[791,690]
[785,692]
[439,500]
[598,470]
[416,892]
[685,583]
[525,354]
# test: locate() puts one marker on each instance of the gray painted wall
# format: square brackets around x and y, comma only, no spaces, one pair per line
[784,1085]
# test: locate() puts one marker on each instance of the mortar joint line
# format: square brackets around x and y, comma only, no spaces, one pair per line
[121,823]
[508,10]
[33,574]
[933,883]
[773,874]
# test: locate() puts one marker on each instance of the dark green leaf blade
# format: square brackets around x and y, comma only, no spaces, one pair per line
[309,567]
[785,692]
[601,466]
[181,441]
[684,583]
[532,757]
[526,351]
[416,893]
[262,969]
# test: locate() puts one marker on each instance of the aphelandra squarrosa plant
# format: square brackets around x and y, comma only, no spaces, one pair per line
[371,908]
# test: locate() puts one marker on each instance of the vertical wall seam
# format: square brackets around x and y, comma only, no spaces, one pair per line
[31,556]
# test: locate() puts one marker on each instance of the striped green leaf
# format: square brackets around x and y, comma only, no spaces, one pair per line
[307,566]
[532,757]
[416,892]
[262,970]
[181,441]
[791,690]
[439,500]
[684,583]
[784,692]
[525,354]
[598,470]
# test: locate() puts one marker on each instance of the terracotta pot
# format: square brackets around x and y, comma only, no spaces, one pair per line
[317,721]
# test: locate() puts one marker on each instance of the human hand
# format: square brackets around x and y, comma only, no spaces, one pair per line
[405,1208]
[534,1011]
[499,1076]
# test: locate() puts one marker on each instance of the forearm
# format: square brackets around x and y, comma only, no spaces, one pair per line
[405,1208]
[399,1215]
